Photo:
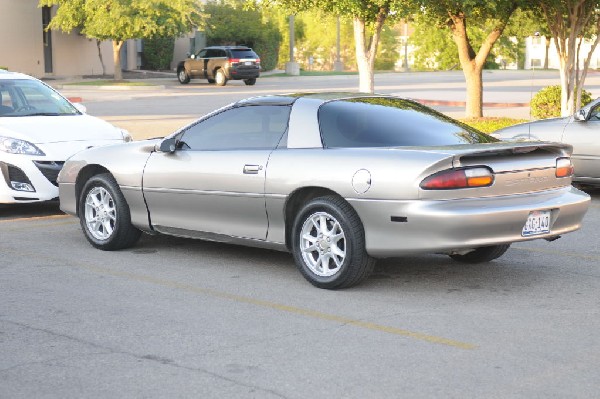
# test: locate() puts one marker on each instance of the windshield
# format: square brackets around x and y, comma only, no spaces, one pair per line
[24,97]
[391,122]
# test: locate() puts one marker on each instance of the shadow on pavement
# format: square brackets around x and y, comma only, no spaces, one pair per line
[38,209]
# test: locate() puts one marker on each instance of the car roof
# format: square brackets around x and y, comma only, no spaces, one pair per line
[288,99]
[6,75]
[229,47]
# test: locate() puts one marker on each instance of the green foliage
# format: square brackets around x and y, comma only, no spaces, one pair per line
[158,53]
[125,19]
[546,102]
[434,47]
[489,125]
[367,10]
[231,24]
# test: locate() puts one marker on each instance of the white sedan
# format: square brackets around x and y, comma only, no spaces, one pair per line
[39,130]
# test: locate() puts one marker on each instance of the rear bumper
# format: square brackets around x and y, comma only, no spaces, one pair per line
[239,73]
[453,225]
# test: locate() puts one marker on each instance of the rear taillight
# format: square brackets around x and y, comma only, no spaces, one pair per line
[233,61]
[564,167]
[459,178]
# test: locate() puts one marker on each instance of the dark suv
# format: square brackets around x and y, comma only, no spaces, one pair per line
[219,64]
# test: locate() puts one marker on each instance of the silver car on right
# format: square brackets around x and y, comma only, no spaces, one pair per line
[581,130]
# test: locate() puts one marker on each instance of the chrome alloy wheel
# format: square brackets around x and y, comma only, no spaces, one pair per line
[100,213]
[323,244]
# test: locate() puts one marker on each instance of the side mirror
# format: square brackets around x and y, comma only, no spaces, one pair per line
[581,115]
[168,145]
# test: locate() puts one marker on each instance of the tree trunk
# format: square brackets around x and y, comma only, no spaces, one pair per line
[547,55]
[366,50]
[568,22]
[474,80]
[472,63]
[100,57]
[117,44]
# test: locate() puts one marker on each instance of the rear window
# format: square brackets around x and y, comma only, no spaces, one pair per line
[391,122]
[243,53]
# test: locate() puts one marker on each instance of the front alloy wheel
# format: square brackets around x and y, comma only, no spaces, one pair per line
[104,214]
[100,213]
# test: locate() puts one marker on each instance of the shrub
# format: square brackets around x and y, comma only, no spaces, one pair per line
[158,53]
[3,67]
[546,102]
[489,125]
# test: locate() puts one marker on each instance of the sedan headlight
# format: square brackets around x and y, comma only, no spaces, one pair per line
[16,146]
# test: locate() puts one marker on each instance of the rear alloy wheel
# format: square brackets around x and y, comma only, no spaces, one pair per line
[104,215]
[483,254]
[220,78]
[183,76]
[250,82]
[328,244]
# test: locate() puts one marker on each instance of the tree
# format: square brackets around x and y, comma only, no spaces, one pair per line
[120,20]
[368,17]
[455,14]
[570,22]
[227,23]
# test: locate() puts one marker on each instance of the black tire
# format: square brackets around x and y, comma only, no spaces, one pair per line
[483,254]
[183,76]
[356,264]
[220,78]
[211,81]
[108,208]
[250,82]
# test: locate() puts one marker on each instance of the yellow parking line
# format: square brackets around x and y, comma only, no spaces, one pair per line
[285,308]
[268,305]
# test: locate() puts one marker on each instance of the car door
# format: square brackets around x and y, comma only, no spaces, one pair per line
[584,136]
[216,60]
[214,181]
[196,64]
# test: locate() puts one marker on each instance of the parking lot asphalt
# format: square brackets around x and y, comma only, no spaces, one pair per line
[179,318]
[174,318]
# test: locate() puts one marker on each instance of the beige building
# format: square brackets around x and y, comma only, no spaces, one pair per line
[26,47]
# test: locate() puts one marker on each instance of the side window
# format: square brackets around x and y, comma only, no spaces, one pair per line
[6,103]
[256,127]
[202,54]
[222,54]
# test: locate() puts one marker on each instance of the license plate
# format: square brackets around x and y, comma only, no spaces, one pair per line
[538,222]
[248,63]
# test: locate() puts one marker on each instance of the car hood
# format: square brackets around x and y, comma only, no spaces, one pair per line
[536,124]
[57,129]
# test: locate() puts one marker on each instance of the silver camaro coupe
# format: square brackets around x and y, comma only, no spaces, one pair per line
[338,179]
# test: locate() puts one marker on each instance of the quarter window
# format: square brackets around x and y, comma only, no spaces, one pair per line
[391,122]
[255,127]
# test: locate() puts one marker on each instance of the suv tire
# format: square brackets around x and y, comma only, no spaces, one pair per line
[220,78]
[183,76]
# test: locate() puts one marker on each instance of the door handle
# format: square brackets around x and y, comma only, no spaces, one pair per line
[252,169]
